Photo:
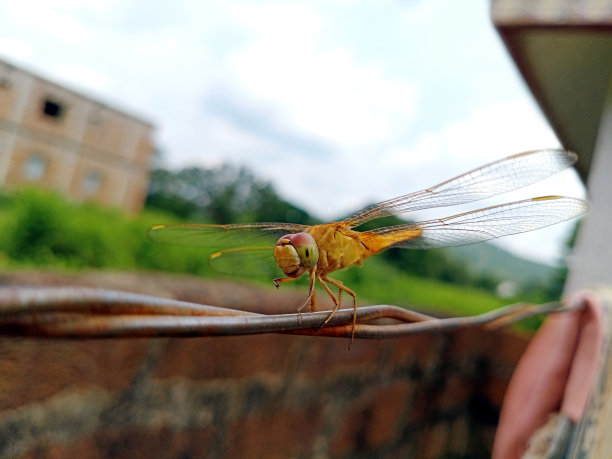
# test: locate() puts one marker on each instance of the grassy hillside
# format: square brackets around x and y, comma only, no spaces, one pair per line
[488,258]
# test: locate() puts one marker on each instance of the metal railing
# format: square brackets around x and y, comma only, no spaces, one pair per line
[76,312]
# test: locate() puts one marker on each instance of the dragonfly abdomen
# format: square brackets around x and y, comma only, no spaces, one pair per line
[377,241]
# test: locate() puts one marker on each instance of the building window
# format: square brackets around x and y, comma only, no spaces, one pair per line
[53,109]
[35,168]
[92,182]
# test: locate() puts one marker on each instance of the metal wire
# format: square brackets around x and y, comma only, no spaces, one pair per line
[74,312]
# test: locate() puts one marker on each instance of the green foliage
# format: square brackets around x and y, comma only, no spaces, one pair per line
[46,230]
[42,229]
[223,194]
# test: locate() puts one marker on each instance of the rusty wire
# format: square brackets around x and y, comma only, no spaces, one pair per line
[75,312]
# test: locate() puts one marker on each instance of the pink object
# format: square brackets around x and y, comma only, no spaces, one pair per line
[555,374]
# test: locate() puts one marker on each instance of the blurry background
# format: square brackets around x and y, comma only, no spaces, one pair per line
[119,115]
[290,111]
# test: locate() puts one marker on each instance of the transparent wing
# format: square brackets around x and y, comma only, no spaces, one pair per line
[246,261]
[223,237]
[488,223]
[491,179]
[245,249]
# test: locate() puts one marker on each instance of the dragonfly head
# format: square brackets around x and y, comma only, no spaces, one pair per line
[296,253]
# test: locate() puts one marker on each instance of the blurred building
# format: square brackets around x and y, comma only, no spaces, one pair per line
[54,137]
[563,50]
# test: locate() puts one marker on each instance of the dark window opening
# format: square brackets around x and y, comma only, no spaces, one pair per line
[53,109]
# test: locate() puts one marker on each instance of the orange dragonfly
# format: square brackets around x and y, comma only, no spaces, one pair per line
[321,249]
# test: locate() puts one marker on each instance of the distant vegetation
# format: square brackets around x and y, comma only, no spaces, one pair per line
[223,194]
[41,229]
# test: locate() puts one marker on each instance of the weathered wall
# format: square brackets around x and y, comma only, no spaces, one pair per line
[255,396]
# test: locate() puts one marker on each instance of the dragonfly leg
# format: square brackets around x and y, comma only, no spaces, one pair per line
[280,280]
[322,280]
[311,292]
[341,287]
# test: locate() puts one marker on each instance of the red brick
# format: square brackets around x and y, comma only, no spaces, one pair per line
[228,357]
[433,441]
[280,434]
[375,421]
[466,343]
[35,369]
[415,349]
[333,353]
[349,430]
[389,407]
[458,442]
[85,448]
[495,390]
[423,404]
[511,347]
[455,392]
[131,443]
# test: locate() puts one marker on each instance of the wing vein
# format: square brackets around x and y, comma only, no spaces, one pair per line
[487,223]
[489,180]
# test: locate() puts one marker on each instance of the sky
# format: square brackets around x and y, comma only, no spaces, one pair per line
[338,104]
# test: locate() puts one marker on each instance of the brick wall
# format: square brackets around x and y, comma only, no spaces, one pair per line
[255,396]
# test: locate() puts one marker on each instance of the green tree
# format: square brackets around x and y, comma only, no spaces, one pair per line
[223,194]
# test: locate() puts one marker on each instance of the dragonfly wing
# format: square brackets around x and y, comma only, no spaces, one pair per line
[488,223]
[237,249]
[247,261]
[489,180]
[222,237]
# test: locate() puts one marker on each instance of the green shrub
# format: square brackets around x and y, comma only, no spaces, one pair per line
[42,229]
[37,230]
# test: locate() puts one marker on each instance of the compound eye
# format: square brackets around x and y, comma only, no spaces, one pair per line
[306,248]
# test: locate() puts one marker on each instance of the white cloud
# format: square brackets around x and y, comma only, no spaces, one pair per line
[95,79]
[50,20]
[16,49]
[319,90]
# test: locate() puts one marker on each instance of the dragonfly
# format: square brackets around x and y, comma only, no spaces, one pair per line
[318,250]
